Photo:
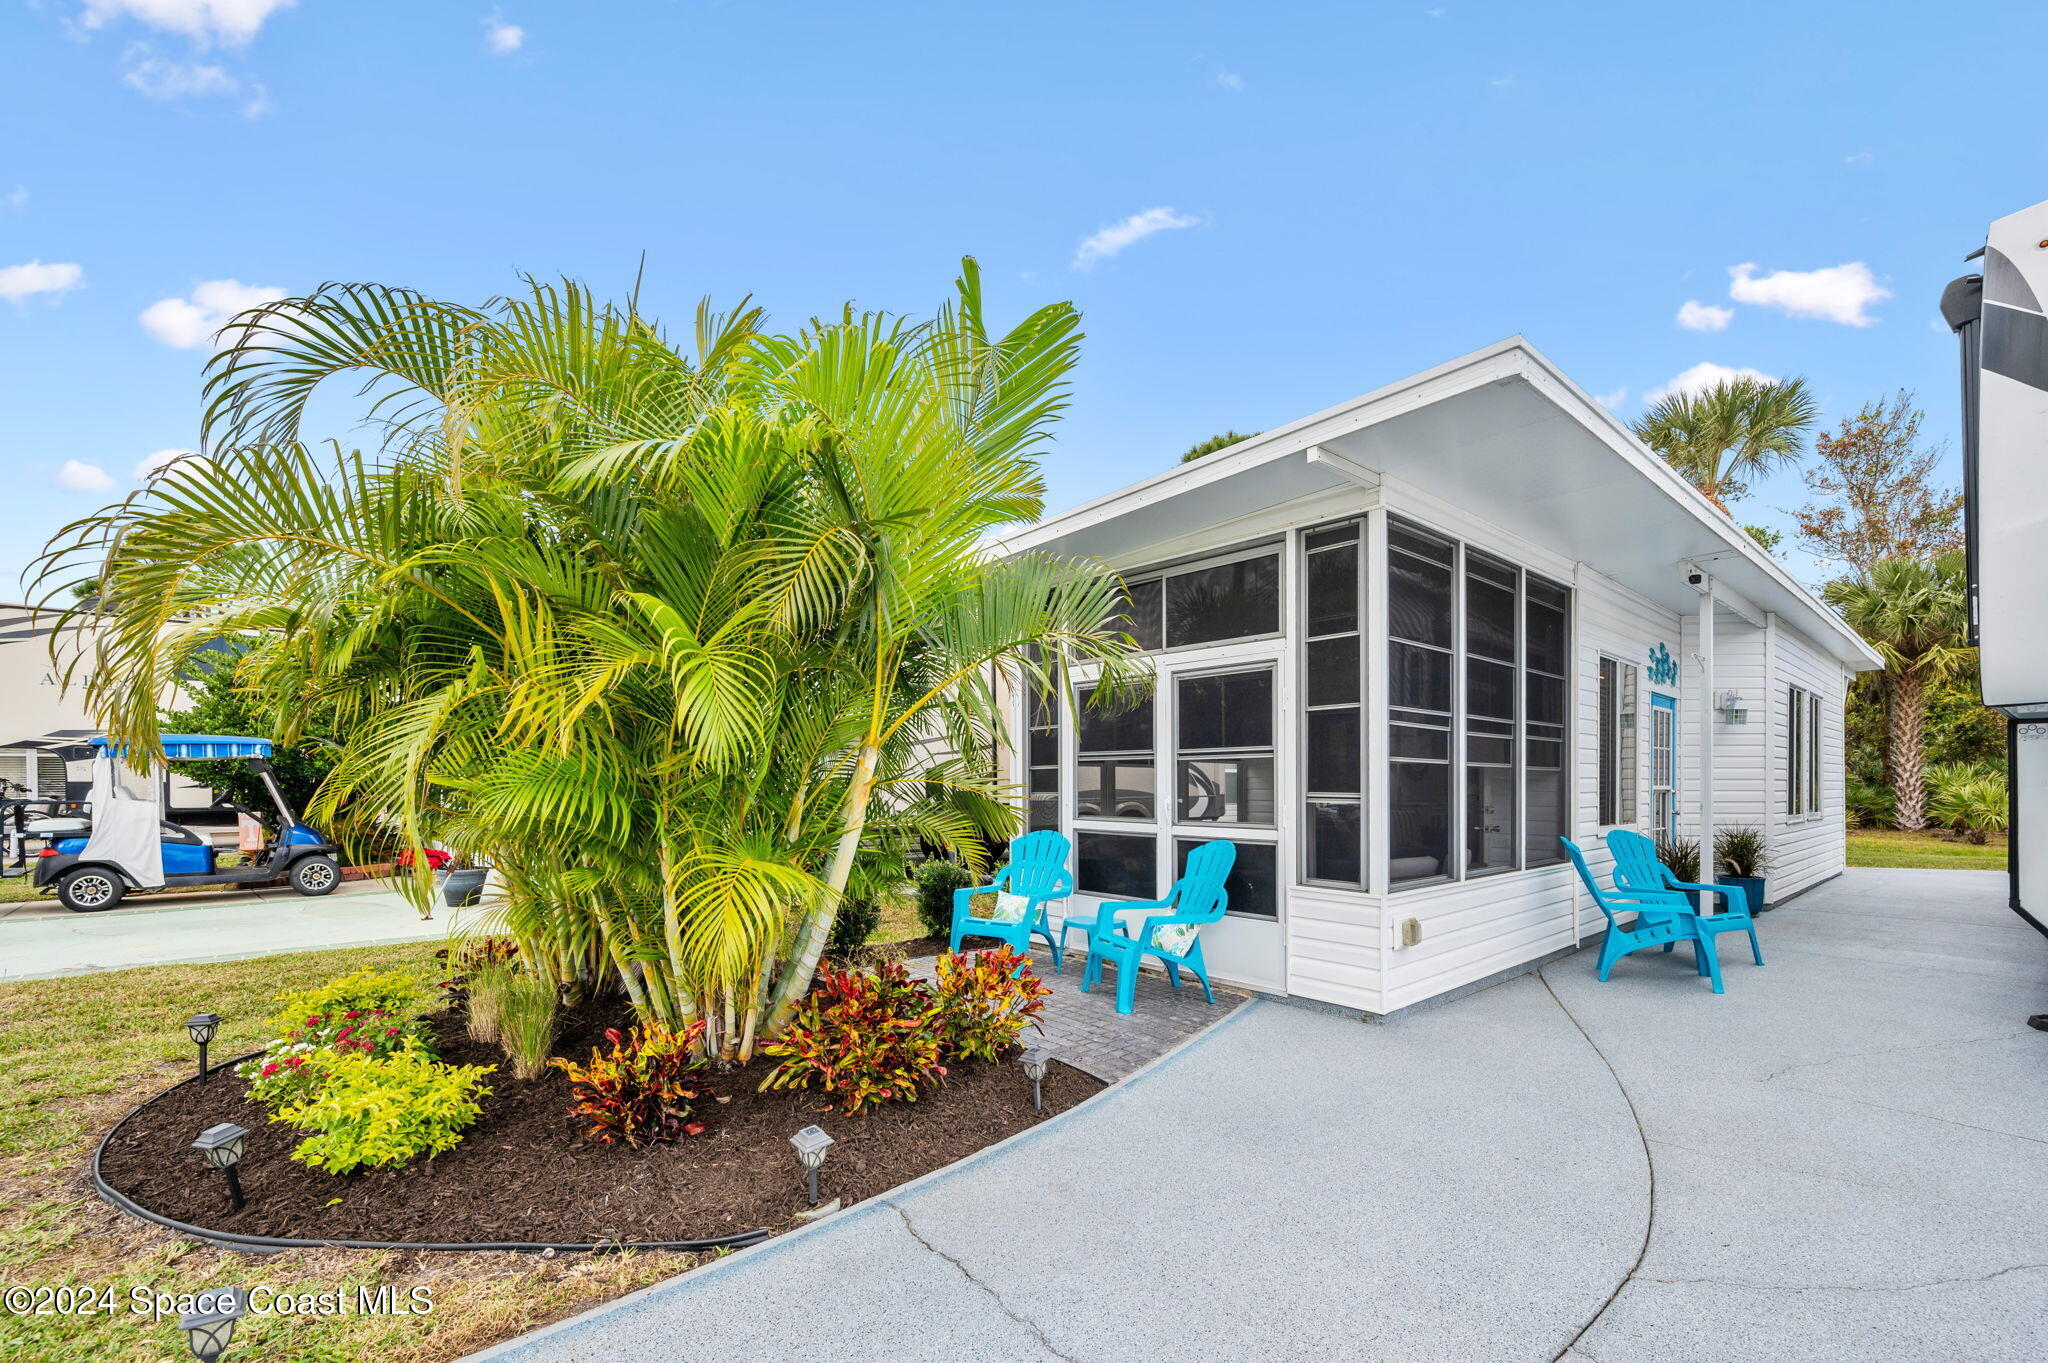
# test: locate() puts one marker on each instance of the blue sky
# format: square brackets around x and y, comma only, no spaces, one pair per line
[1302,202]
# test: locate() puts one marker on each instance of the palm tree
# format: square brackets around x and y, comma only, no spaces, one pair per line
[1722,437]
[664,634]
[1917,618]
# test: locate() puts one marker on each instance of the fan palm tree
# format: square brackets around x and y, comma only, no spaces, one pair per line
[1722,437]
[665,635]
[1916,616]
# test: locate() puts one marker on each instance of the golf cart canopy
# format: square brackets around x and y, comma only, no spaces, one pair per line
[198,747]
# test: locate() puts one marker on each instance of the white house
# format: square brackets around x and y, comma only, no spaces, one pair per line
[1404,645]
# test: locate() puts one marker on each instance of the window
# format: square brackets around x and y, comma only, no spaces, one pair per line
[1546,645]
[1114,778]
[1116,865]
[1224,738]
[1332,732]
[1477,652]
[1042,747]
[1419,666]
[1617,742]
[1802,753]
[1254,881]
[1205,604]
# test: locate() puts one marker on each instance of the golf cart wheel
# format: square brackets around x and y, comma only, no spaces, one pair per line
[89,889]
[314,875]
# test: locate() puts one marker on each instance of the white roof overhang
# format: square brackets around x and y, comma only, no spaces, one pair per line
[1504,435]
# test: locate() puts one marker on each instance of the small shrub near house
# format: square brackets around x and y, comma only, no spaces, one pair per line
[936,881]
[862,1037]
[527,1013]
[986,999]
[398,993]
[1971,799]
[641,1090]
[291,1066]
[852,925]
[378,1113]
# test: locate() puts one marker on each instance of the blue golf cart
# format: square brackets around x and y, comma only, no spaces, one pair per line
[122,842]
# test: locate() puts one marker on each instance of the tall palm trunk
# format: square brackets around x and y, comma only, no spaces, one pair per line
[796,980]
[1905,740]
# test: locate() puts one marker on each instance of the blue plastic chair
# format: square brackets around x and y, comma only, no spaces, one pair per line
[1196,898]
[1636,868]
[1663,918]
[1038,874]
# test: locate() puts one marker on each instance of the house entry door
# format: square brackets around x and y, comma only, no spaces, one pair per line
[1663,765]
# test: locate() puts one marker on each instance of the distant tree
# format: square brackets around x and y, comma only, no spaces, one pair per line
[1763,534]
[1722,437]
[219,708]
[1213,444]
[1914,615]
[1876,496]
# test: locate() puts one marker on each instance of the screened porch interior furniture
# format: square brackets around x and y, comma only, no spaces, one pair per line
[1637,870]
[1662,918]
[1198,897]
[1036,876]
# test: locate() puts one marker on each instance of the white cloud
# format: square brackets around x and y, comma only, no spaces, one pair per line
[501,38]
[1501,82]
[1839,293]
[1130,231]
[25,281]
[83,477]
[1231,81]
[165,80]
[1702,376]
[190,323]
[231,23]
[1437,13]
[1858,158]
[15,200]
[150,465]
[1612,400]
[1697,316]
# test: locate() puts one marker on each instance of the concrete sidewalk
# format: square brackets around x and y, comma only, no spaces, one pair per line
[1840,1158]
[216,927]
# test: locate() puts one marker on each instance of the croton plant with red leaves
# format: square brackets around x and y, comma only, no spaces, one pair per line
[641,1089]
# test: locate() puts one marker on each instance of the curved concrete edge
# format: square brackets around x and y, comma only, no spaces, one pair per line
[689,1278]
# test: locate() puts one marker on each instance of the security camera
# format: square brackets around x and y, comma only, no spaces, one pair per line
[1694,578]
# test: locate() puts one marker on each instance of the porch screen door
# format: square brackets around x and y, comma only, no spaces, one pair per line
[1664,765]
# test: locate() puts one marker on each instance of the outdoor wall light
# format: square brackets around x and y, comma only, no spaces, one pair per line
[209,1330]
[201,1027]
[222,1146]
[1034,1060]
[811,1144]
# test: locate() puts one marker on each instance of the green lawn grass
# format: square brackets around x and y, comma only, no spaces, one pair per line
[1923,851]
[77,1052]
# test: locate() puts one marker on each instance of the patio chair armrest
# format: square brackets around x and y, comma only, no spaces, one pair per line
[1727,892]
[965,893]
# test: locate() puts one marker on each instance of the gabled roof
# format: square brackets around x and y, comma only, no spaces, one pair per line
[1506,436]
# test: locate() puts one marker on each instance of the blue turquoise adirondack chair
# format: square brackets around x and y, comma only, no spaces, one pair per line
[1196,898]
[1663,918]
[1636,868]
[1036,876]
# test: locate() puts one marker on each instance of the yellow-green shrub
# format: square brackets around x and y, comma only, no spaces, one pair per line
[385,1112]
[400,993]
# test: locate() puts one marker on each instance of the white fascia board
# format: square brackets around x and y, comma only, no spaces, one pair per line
[1575,402]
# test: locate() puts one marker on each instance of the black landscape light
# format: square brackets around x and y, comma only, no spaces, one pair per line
[1034,1060]
[209,1330]
[201,1027]
[811,1144]
[222,1146]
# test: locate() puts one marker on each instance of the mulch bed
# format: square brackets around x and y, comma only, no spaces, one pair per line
[523,1173]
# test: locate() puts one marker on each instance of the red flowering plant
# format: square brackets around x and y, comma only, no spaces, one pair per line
[291,1067]
[641,1089]
[863,1037]
[986,999]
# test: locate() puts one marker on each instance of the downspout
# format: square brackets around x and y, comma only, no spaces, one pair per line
[1706,657]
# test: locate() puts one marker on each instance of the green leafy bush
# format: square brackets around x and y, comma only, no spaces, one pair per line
[1870,805]
[862,1037]
[641,1089]
[368,1112]
[936,880]
[1741,851]
[985,1001]
[856,921]
[398,993]
[295,1064]
[527,1009]
[1971,800]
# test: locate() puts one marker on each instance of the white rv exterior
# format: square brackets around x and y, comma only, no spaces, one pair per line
[1401,647]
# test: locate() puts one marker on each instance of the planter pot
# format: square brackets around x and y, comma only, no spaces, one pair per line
[461,888]
[1752,888]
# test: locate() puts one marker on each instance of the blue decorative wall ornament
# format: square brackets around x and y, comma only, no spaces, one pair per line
[1663,667]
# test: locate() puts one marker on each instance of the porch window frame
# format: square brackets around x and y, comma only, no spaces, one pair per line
[1804,722]
[1269,546]
[1623,764]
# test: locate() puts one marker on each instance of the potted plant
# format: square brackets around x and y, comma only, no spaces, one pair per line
[1741,856]
[1681,857]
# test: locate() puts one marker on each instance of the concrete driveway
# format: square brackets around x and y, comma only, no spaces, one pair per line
[41,940]
[1841,1158]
